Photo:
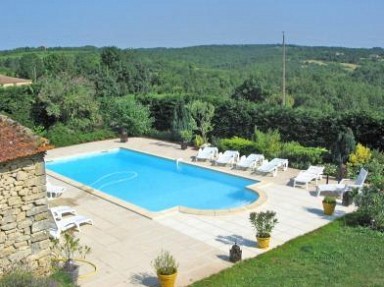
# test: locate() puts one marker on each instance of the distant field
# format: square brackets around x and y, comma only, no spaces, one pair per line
[318,62]
[347,66]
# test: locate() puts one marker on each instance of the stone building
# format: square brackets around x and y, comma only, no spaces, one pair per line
[24,238]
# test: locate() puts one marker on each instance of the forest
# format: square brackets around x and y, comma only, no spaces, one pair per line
[213,92]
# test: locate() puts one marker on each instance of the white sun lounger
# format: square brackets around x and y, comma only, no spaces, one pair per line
[250,161]
[273,165]
[228,157]
[59,211]
[54,191]
[207,153]
[344,186]
[68,223]
[306,176]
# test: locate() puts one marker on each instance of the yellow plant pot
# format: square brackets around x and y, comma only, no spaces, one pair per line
[329,208]
[167,280]
[263,242]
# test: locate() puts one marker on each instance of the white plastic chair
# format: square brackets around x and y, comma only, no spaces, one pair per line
[344,186]
[207,153]
[67,223]
[250,161]
[273,165]
[54,191]
[306,176]
[228,157]
[59,211]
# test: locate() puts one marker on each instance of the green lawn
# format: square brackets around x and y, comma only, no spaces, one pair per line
[335,255]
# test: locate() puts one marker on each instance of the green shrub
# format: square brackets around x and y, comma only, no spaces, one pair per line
[301,157]
[198,141]
[19,278]
[268,143]
[183,123]
[61,135]
[166,135]
[126,112]
[242,145]
[375,167]
[360,156]
[371,207]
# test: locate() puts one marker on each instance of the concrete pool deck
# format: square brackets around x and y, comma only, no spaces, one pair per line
[124,243]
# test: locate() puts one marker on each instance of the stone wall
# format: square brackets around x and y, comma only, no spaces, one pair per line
[24,220]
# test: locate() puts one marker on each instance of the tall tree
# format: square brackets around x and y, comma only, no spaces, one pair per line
[251,90]
[31,67]
[111,57]
[126,113]
[69,101]
[183,123]
[202,113]
[344,145]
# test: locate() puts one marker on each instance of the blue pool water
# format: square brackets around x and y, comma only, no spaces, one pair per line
[155,183]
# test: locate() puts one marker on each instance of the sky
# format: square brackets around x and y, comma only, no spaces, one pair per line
[183,23]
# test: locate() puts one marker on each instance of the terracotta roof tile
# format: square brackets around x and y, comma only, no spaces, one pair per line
[17,141]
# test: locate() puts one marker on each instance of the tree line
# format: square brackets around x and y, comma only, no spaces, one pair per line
[96,91]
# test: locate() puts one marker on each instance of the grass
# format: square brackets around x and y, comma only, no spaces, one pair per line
[22,278]
[335,255]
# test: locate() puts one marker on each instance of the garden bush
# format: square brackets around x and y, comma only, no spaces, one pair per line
[371,207]
[375,168]
[360,156]
[198,141]
[126,112]
[166,135]
[22,278]
[302,157]
[268,143]
[61,135]
[244,146]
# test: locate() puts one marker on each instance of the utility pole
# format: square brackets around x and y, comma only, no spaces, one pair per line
[283,69]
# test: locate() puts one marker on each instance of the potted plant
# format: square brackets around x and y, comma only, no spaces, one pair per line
[198,141]
[186,137]
[123,135]
[166,268]
[329,204]
[67,249]
[349,196]
[263,222]
[329,170]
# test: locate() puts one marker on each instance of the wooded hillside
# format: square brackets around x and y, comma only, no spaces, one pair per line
[77,90]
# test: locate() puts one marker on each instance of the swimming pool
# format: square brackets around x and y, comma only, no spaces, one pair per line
[156,183]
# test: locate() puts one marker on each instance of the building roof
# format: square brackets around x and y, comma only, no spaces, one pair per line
[11,81]
[17,141]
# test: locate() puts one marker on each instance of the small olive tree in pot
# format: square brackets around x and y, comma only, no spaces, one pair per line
[263,222]
[329,204]
[66,249]
[165,266]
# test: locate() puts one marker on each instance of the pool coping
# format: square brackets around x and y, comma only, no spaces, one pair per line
[153,215]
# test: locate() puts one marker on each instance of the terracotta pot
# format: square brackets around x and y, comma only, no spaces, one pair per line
[184,145]
[263,242]
[123,136]
[329,208]
[167,280]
